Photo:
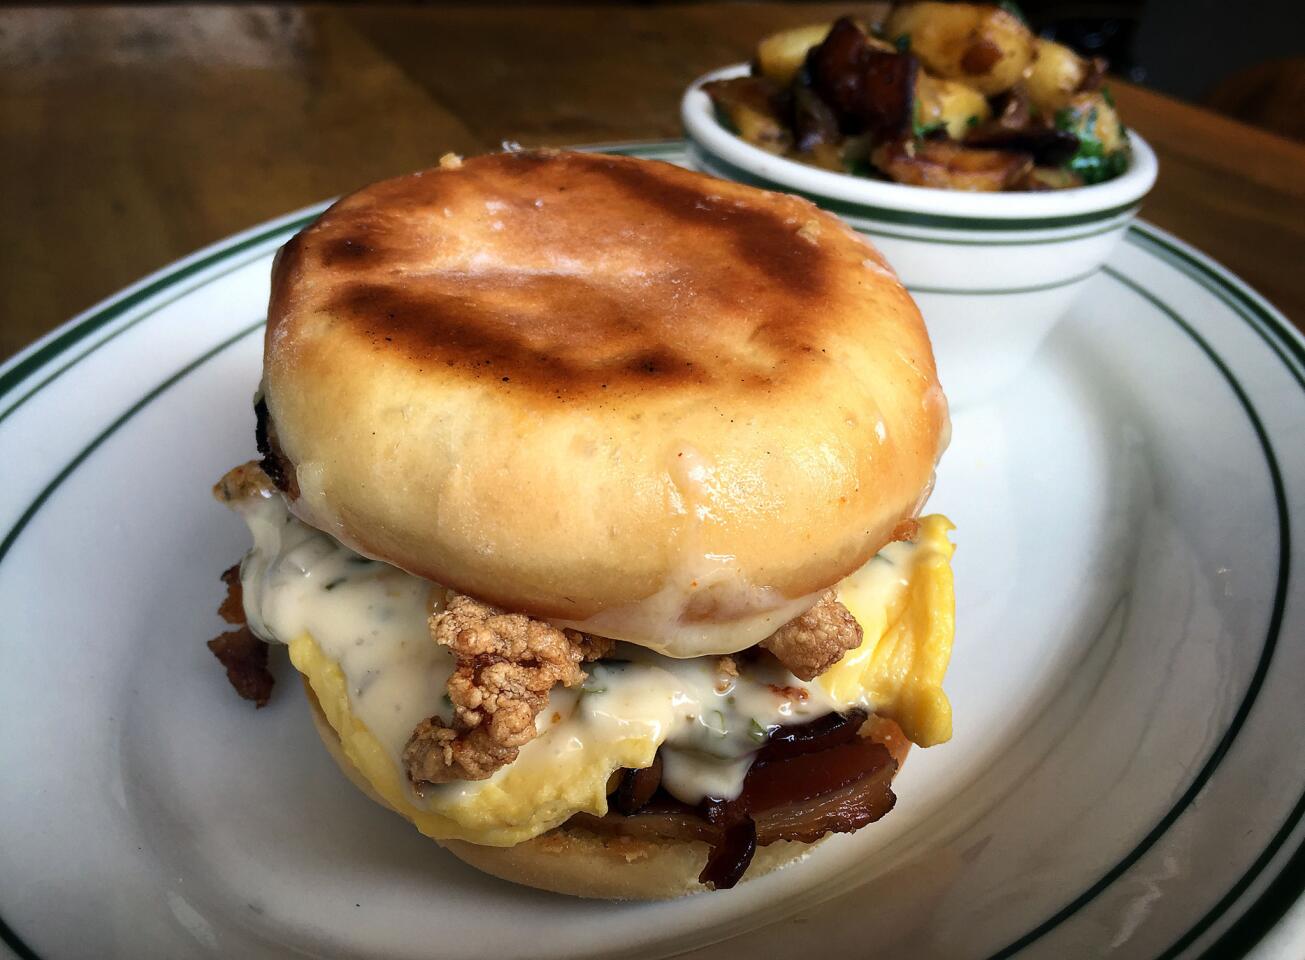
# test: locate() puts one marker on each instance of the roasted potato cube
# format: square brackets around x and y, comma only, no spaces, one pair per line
[780,55]
[1049,178]
[750,104]
[1053,77]
[956,107]
[949,166]
[982,45]
[827,156]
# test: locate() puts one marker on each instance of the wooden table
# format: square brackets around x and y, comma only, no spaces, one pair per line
[131,136]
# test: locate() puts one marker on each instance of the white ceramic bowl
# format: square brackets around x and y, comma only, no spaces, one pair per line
[992,272]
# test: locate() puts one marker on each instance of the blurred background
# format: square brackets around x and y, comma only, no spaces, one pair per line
[131,135]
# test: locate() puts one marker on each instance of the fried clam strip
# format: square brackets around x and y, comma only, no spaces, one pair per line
[812,643]
[506,665]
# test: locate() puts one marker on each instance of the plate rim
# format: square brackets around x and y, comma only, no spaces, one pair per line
[29,371]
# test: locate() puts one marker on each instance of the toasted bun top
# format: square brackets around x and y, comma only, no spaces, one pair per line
[606,391]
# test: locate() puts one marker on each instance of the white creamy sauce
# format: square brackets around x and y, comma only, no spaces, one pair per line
[371,619]
[367,616]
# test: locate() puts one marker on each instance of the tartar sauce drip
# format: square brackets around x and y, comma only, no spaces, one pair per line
[371,619]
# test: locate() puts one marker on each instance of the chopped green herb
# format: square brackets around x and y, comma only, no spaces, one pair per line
[332,584]
[718,723]
[1090,161]
[903,43]
[757,732]
[1013,9]
[361,561]
[1107,96]
[593,688]
[922,130]
[860,167]
[972,121]
[448,701]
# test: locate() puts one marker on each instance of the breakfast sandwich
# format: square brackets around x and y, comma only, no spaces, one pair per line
[589,509]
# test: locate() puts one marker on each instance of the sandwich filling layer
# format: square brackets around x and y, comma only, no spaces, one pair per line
[358,630]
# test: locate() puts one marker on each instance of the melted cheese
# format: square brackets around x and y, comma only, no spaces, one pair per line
[357,630]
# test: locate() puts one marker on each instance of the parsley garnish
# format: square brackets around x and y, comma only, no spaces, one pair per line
[1090,161]
[922,130]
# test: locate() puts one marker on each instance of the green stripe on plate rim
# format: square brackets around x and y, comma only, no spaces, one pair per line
[1282,892]
[1153,837]
[855,211]
[1230,735]
[115,307]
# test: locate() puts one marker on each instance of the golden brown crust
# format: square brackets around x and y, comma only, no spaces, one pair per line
[812,643]
[506,665]
[568,383]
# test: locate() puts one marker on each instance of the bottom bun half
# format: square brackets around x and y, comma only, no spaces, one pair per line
[580,863]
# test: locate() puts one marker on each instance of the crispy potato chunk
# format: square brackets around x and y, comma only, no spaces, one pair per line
[780,55]
[958,107]
[1053,77]
[950,166]
[750,106]
[982,45]
[1050,178]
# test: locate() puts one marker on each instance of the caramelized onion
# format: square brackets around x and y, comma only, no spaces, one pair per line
[638,786]
[820,734]
[729,858]
[869,89]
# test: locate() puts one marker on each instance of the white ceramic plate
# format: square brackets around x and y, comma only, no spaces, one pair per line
[1127,774]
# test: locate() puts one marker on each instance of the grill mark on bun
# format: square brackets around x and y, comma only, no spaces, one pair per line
[564,390]
[764,238]
[433,326]
[482,271]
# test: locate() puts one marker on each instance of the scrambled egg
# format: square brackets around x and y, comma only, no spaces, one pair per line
[902,598]
[899,667]
[544,787]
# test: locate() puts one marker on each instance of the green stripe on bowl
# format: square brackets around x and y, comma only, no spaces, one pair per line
[1007,291]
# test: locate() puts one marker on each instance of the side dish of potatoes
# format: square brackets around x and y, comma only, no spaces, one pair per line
[958,96]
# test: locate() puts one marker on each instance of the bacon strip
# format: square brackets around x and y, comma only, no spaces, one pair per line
[242,654]
[807,781]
